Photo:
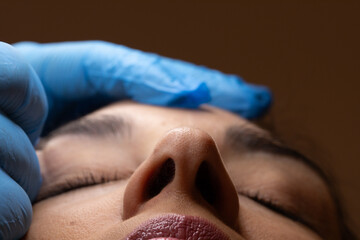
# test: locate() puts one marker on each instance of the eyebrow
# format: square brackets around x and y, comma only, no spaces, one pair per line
[100,126]
[243,138]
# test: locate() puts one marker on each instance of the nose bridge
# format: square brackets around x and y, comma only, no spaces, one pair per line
[185,161]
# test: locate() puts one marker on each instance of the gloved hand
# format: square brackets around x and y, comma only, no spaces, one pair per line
[23,110]
[81,76]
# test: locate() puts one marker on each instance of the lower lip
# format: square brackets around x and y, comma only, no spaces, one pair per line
[174,227]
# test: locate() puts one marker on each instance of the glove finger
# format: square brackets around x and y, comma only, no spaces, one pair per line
[227,91]
[15,209]
[121,72]
[150,78]
[77,75]
[22,97]
[18,158]
[248,100]
[78,70]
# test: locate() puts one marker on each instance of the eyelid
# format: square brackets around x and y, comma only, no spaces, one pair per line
[86,180]
[82,180]
[276,207]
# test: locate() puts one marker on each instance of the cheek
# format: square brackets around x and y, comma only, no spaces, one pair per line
[80,214]
[257,222]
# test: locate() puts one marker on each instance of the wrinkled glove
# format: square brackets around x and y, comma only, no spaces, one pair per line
[79,77]
[23,109]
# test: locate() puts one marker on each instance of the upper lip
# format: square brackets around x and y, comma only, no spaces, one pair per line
[178,227]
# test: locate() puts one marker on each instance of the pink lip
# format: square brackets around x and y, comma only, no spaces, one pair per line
[177,227]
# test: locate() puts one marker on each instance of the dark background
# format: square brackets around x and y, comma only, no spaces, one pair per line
[307,52]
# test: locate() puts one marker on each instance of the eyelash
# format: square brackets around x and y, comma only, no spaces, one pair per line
[275,207]
[85,180]
[270,204]
[89,179]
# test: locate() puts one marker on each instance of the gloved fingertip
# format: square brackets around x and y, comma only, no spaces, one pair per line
[260,101]
[264,99]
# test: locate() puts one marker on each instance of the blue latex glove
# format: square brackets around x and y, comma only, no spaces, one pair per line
[23,109]
[81,76]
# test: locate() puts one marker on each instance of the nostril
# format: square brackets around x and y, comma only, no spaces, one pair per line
[206,183]
[162,177]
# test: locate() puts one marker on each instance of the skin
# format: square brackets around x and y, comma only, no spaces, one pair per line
[129,159]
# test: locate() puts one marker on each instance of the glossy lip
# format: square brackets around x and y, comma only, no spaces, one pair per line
[175,226]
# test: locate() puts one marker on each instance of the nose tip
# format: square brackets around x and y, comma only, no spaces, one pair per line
[185,162]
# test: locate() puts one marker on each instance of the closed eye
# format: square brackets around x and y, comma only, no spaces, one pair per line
[277,208]
[84,179]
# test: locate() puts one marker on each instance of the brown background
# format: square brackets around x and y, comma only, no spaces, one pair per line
[307,52]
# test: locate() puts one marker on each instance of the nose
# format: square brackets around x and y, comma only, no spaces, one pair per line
[185,163]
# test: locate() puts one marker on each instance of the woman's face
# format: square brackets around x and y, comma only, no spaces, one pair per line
[146,172]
